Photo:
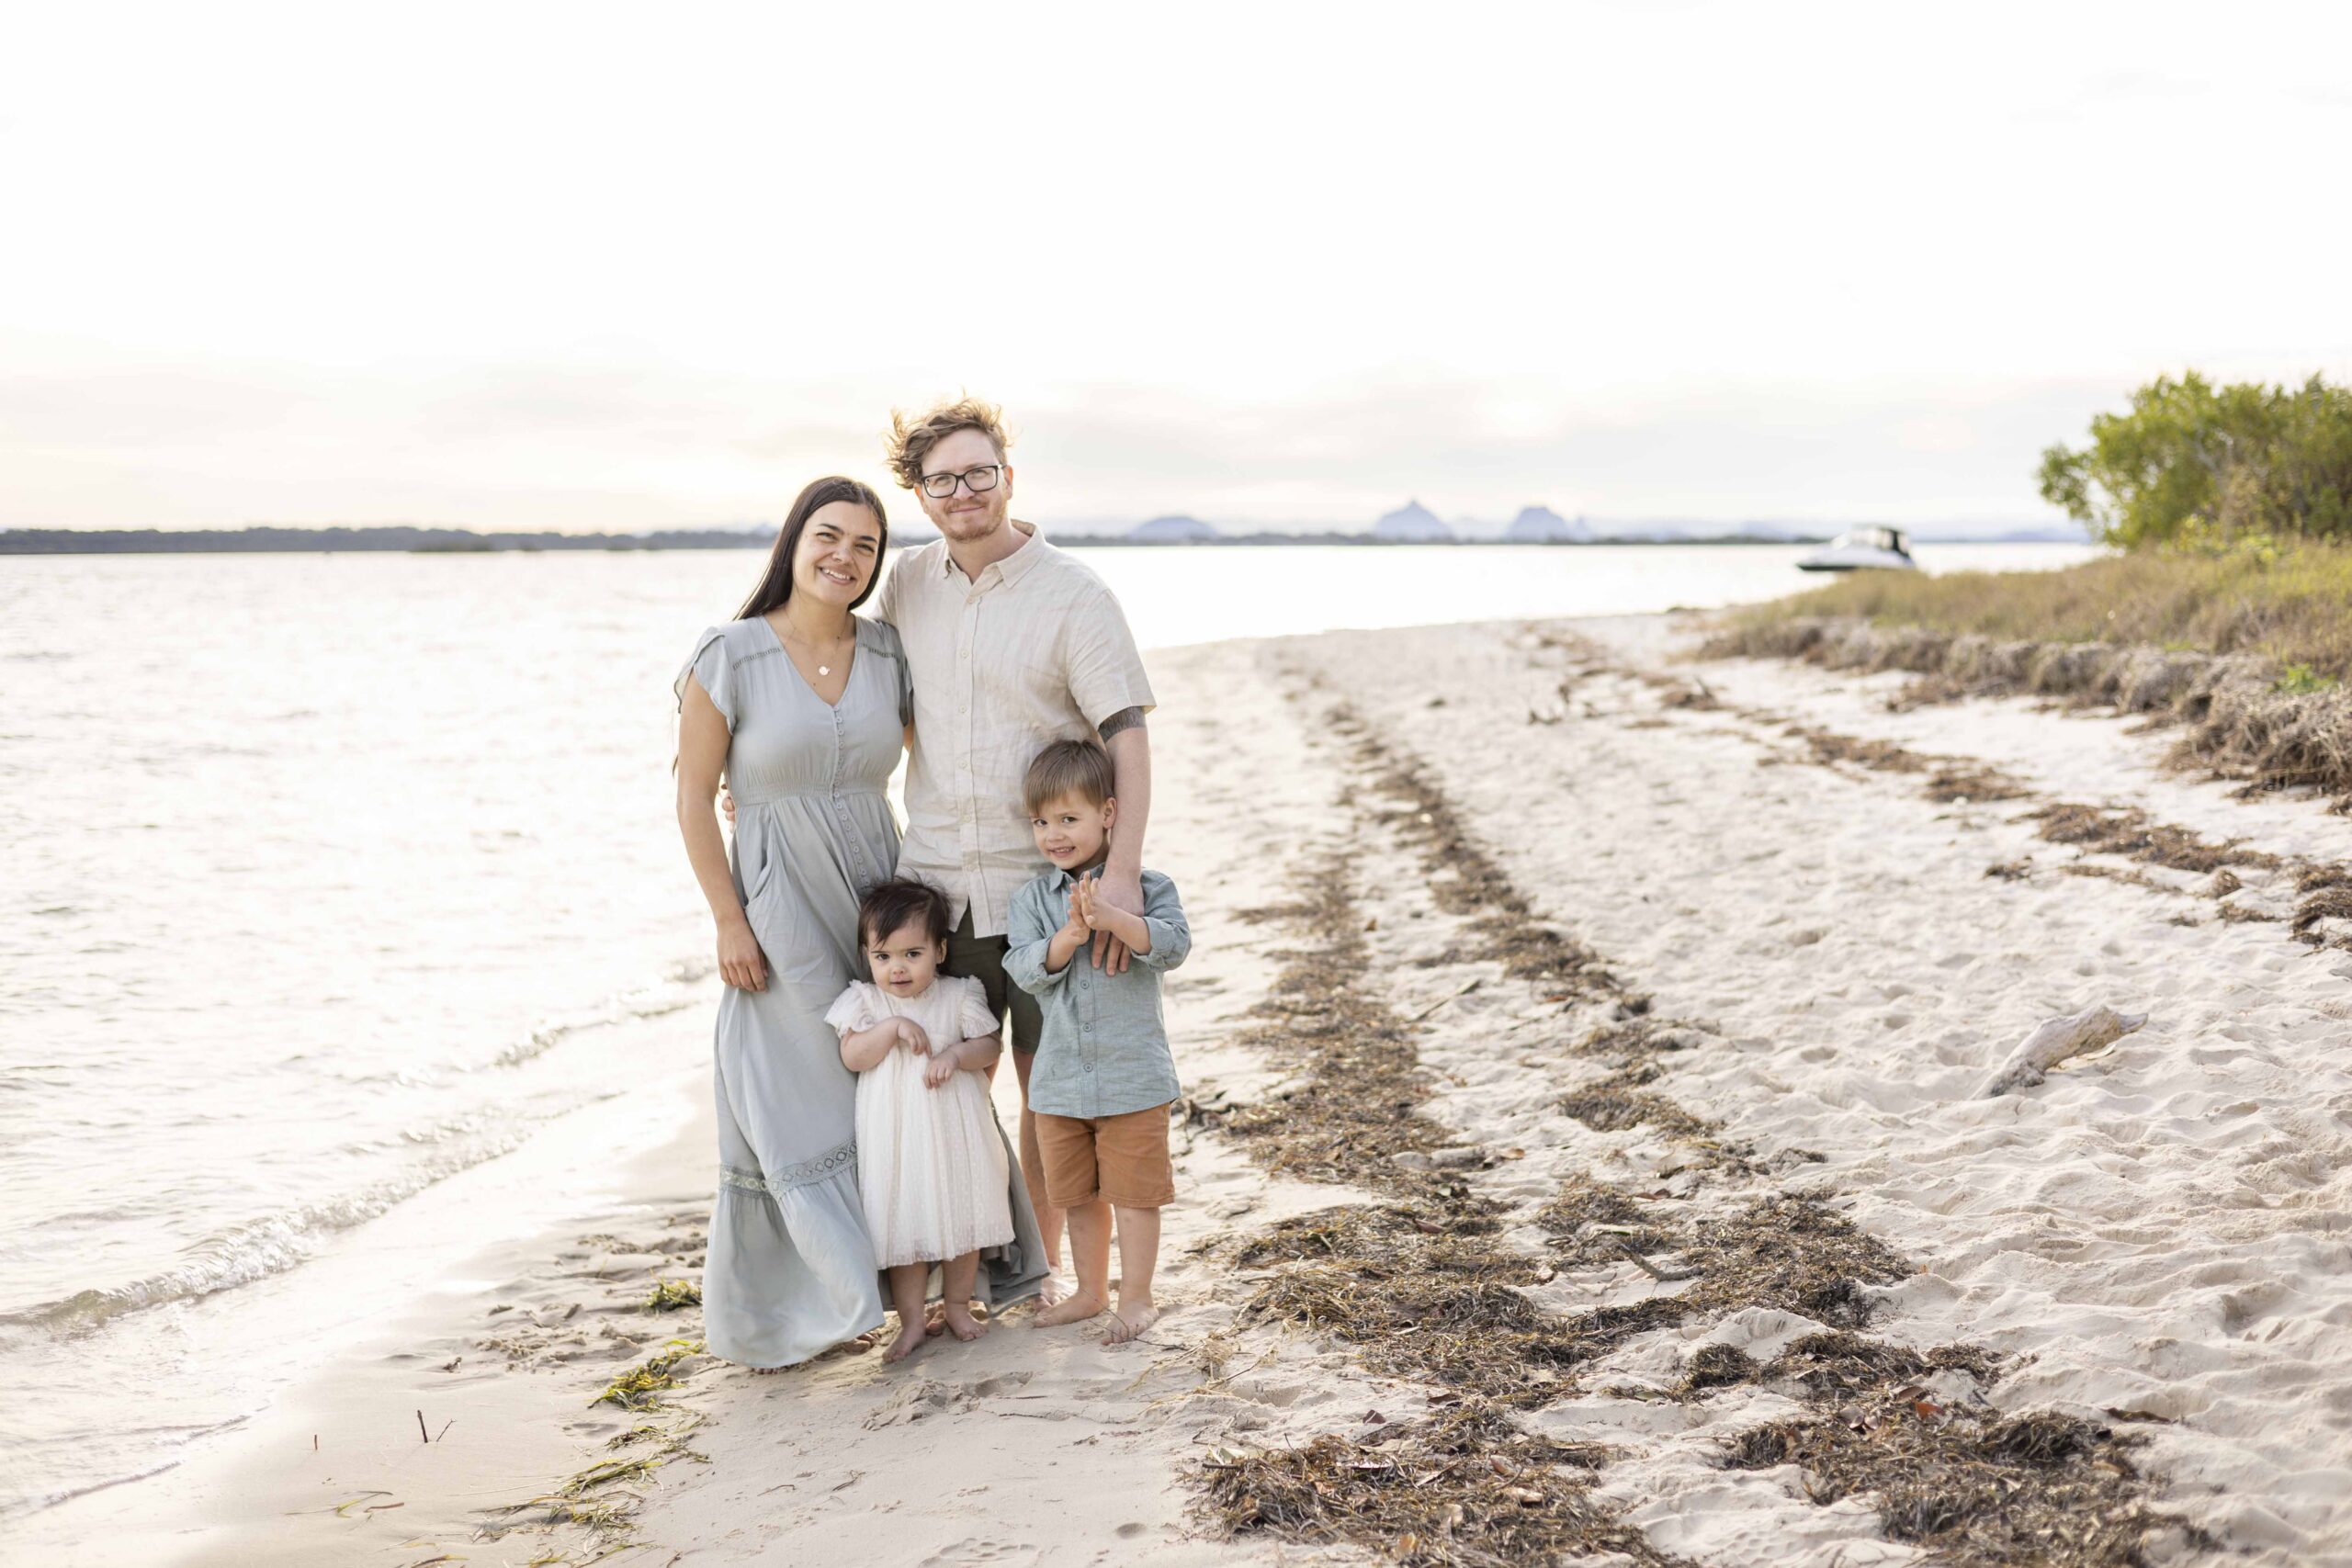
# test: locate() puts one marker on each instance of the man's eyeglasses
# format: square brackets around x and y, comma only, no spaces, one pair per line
[939,487]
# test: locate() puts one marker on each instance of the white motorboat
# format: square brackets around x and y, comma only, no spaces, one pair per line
[1862,550]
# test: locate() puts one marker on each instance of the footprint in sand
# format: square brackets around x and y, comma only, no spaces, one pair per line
[919,1401]
[974,1551]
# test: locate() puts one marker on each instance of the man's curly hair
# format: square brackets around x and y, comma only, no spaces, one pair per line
[913,436]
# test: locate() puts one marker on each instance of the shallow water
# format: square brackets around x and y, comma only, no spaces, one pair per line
[332,874]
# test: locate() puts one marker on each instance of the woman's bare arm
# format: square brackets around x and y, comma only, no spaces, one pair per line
[702,756]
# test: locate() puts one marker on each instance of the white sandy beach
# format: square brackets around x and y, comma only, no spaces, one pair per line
[2158,1238]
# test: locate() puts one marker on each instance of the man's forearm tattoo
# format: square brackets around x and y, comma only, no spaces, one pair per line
[1126,718]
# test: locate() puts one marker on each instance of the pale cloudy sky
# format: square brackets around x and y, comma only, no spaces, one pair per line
[604,267]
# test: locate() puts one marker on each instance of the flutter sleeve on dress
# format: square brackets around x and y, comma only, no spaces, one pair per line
[854,1010]
[711,666]
[973,1016]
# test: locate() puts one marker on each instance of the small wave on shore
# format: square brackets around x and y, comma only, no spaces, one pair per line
[255,1250]
[160,1328]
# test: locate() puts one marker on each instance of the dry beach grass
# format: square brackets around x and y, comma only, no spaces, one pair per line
[2291,609]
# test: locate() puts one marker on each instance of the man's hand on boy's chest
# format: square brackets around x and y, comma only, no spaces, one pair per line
[1122,891]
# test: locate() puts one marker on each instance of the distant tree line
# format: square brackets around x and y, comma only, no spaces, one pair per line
[2192,464]
[461,541]
[430,541]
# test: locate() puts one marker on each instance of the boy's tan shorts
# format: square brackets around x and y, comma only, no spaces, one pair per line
[1121,1159]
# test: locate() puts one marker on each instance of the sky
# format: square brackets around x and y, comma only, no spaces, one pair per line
[590,267]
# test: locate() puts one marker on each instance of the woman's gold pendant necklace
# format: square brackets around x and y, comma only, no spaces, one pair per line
[822,670]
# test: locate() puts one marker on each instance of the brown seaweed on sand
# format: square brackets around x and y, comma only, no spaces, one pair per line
[1359,1109]
[1782,1251]
[1425,1298]
[2133,835]
[1976,1488]
[2326,892]
[1464,1487]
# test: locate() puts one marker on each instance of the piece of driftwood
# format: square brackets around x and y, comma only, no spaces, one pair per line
[2056,1042]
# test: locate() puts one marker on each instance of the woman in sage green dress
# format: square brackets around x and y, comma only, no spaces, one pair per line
[803,707]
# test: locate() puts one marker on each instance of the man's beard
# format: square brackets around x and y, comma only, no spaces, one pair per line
[975,524]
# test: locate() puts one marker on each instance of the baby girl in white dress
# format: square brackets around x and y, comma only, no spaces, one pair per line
[931,1162]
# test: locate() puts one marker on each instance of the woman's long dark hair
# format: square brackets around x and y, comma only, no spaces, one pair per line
[776,587]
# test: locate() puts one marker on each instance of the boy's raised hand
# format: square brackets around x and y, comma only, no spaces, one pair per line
[1080,919]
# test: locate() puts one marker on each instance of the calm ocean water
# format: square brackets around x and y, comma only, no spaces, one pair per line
[330,875]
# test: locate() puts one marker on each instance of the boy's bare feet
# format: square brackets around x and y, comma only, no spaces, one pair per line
[1076,1307]
[1130,1321]
[909,1341]
[962,1324]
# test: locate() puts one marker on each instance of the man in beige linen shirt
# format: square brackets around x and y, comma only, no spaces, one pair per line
[1012,644]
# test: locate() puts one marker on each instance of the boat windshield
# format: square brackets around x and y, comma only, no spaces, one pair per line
[1869,539]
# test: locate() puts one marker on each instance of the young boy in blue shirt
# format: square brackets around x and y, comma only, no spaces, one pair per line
[1104,1076]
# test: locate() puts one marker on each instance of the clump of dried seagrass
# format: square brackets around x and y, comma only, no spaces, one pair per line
[1462,1489]
[2133,835]
[1359,1106]
[1978,1489]
[1950,779]
[1429,1295]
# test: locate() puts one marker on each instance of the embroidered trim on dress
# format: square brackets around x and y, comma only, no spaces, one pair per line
[802,1175]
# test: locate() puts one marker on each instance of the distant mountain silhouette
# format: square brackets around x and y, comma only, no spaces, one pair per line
[1541,525]
[1411,521]
[1172,531]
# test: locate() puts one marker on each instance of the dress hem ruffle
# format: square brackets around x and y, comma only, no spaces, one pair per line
[797,1301]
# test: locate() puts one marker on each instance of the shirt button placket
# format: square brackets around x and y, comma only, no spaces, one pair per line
[968,783]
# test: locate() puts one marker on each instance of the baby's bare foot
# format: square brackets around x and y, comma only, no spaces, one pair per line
[1076,1307]
[909,1341]
[961,1324]
[1130,1321]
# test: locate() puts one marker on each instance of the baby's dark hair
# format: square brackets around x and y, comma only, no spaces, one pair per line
[1081,768]
[899,902]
